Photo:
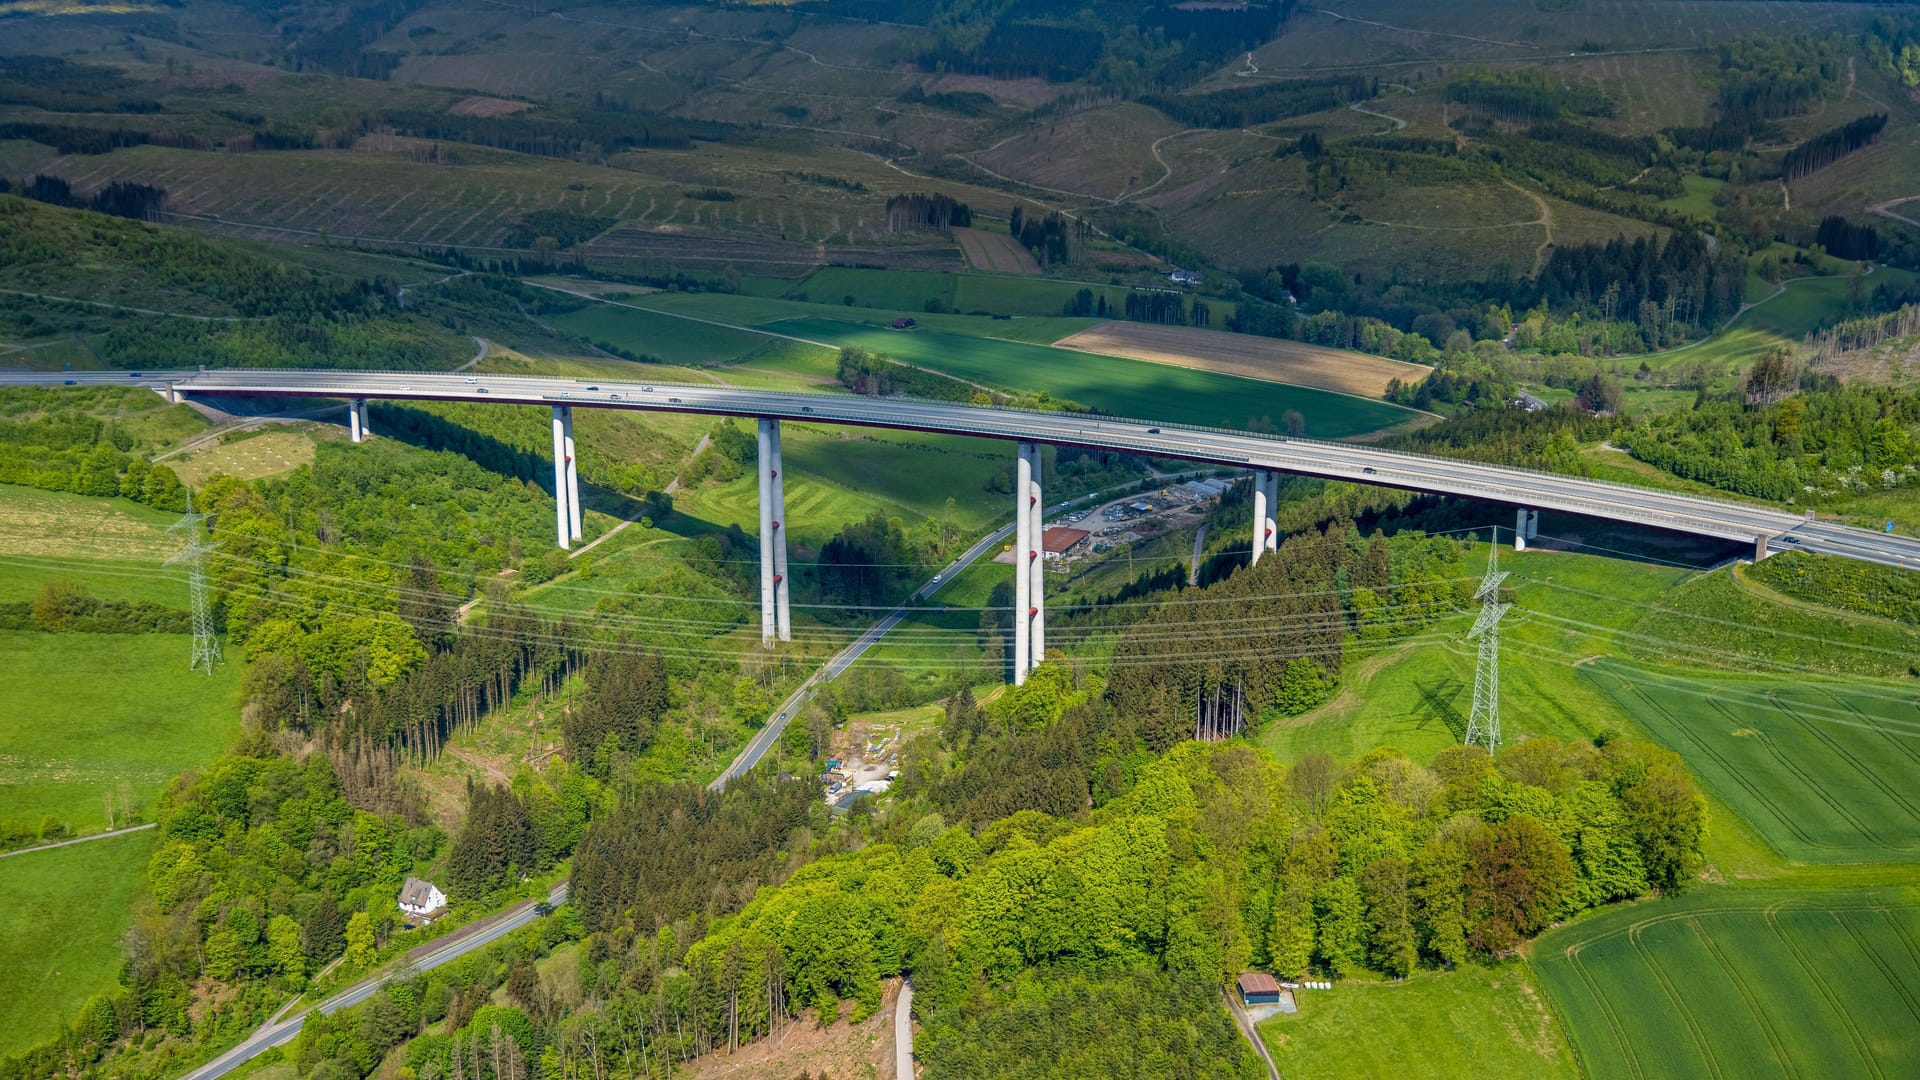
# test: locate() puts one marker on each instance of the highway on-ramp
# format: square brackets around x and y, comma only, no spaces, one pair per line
[1718,518]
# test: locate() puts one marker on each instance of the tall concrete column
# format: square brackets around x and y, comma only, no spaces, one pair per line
[356,424]
[1037,564]
[1023,541]
[1273,508]
[769,621]
[564,521]
[1533,524]
[1259,517]
[573,476]
[1520,531]
[777,468]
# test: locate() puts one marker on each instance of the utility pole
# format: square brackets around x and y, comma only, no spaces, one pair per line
[206,647]
[1483,726]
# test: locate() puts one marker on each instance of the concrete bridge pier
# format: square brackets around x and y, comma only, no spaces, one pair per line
[775,621]
[1266,497]
[1037,557]
[562,454]
[573,475]
[781,582]
[1023,542]
[1522,519]
[357,420]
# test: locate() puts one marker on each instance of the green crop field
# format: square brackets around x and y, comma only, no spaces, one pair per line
[838,475]
[1737,983]
[1471,1021]
[82,715]
[644,333]
[1113,385]
[1824,771]
[60,942]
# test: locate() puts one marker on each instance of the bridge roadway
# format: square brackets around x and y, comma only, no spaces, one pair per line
[1715,518]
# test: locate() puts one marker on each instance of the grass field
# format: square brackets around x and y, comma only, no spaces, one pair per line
[1122,387]
[267,453]
[674,341]
[60,942]
[85,714]
[838,475]
[1823,771]
[1471,1021]
[1739,983]
[59,524]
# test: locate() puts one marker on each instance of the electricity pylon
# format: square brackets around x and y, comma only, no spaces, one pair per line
[206,648]
[1483,726]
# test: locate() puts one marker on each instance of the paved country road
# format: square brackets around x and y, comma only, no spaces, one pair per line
[903,1033]
[77,840]
[465,940]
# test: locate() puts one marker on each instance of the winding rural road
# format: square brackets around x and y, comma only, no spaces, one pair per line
[461,942]
[78,840]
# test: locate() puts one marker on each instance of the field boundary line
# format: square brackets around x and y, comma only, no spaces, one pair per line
[1678,1003]
[1813,975]
[1766,1023]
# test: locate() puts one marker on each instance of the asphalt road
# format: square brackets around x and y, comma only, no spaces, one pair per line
[1720,519]
[273,1034]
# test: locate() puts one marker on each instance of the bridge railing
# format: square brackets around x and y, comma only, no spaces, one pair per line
[823,407]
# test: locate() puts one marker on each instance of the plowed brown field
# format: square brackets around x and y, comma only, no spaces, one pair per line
[995,251]
[1271,359]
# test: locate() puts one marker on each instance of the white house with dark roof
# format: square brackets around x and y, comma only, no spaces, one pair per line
[422,899]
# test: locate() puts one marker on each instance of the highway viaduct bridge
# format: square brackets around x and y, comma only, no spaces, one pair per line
[1265,456]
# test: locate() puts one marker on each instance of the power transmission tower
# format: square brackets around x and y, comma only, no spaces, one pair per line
[1483,726]
[206,647]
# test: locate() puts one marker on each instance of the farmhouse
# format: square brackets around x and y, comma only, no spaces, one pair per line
[422,899]
[1061,542]
[1185,277]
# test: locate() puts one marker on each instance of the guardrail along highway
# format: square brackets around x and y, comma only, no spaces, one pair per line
[1724,520]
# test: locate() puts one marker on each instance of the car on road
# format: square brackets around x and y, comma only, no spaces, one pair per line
[70,382]
[1793,539]
[480,390]
[543,908]
[648,389]
[133,374]
[937,578]
[1153,431]
[473,380]
[1370,470]
[673,401]
[806,408]
[593,388]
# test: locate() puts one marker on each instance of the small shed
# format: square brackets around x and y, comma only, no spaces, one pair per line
[1258,988]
